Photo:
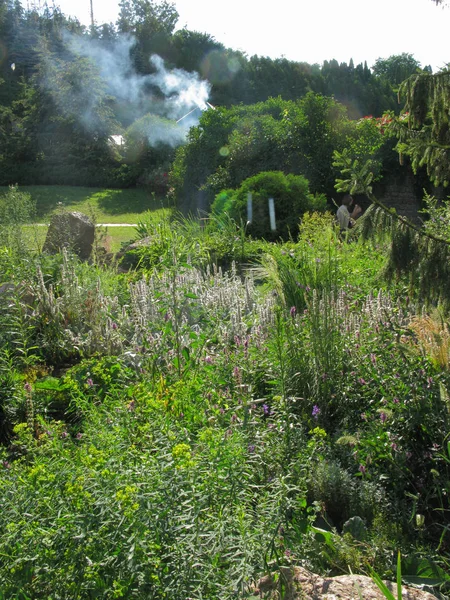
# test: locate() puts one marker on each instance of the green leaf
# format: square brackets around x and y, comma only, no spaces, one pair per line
[399,576]
[50,383]
[382,586]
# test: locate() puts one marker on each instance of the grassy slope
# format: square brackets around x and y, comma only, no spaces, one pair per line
[103,205]
[106,206]
[112,238]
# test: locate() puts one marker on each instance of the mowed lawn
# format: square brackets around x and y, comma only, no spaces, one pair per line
[111,238]
[103,205]
[128,206]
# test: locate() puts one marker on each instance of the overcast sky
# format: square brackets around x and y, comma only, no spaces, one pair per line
[308,30]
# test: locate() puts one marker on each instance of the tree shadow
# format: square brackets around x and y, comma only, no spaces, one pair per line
[117,202]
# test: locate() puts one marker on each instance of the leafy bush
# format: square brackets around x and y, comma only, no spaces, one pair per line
[291,198]
[16,208]
[230,145]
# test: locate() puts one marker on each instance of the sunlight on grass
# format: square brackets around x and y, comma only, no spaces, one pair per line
[110,238]
[103,205]
[117,236]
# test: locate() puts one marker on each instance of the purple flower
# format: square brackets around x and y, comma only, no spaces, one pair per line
[315,411]
[362,381]
[79,436]
[265,409]
[90,382]
[395,400]
[208,360]
[6,464]
[373,358]
[362,469]
[251,449]
[132,405]
[383,417]
[293,311]
[233,418]
[27,387]
[114,325]
[64,434]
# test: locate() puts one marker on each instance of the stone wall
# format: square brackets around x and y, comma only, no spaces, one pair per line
[402,193]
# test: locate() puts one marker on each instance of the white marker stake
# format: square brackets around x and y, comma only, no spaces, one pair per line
[249,208]
[272,214]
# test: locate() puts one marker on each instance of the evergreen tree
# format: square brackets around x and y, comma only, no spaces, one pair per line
[424,129]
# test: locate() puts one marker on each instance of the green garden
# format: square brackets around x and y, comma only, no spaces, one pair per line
[234,396]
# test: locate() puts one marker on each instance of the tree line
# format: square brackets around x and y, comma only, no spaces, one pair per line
[65,89]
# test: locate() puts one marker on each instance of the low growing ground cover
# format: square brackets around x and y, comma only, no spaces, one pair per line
[179,430]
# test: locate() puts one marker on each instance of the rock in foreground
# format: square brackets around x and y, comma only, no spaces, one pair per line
[299,584]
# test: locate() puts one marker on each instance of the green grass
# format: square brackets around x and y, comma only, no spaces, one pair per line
[112,238]
[105,205]
[116,236]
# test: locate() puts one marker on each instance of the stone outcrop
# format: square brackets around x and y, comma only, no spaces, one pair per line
[72,230]
[127,257]
[296,583]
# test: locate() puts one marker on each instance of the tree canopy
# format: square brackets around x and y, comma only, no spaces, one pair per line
[66,89]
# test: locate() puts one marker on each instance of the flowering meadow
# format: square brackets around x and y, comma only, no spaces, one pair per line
[223,408]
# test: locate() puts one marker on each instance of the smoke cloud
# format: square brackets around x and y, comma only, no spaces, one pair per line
[169,94]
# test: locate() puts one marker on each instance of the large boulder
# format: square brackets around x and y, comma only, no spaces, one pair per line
[72,230]
[297,583]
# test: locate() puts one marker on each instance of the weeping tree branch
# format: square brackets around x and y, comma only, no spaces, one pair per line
[359,181]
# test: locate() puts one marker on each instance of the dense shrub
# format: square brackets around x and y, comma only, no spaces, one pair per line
[292,199]
[230,145]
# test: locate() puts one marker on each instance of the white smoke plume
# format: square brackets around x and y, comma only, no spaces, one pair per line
[170,94]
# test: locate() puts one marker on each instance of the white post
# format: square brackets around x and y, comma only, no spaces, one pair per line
[272,214]
[249,208]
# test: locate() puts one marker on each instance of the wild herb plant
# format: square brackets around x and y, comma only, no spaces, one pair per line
[178,431]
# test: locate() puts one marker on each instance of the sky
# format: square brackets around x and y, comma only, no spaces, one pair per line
[308,31]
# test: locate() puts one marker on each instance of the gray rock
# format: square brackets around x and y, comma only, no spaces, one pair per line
[72,230]
[297,583]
